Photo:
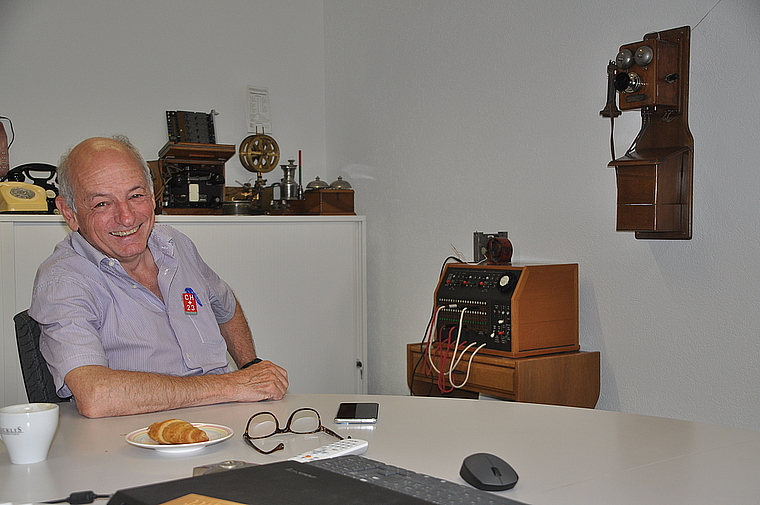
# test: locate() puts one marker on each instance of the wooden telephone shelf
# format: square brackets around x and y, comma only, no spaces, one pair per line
[570,379]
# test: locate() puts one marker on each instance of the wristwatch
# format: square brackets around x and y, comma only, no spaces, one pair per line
[252,362]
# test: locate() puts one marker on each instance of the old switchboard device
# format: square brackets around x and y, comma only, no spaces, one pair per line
[189,177]
[516,310]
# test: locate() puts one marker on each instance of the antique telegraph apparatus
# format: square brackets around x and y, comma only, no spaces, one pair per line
[259,153]
[654,176]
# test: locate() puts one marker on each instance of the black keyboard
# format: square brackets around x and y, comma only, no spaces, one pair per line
[418,485]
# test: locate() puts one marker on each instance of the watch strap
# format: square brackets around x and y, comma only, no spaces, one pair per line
[250,363]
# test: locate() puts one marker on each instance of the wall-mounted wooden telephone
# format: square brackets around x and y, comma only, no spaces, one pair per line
[654,177]
[16,195]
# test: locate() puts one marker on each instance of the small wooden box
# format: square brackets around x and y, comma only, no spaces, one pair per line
[330,202]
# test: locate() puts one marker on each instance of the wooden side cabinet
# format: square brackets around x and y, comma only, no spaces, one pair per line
[570,379]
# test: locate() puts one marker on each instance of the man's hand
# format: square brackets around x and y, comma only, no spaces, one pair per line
[262,381]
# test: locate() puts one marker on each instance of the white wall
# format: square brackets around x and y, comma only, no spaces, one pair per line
[79,68]
[449,117]
[456,116]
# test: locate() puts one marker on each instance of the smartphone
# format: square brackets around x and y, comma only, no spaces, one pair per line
[357,413]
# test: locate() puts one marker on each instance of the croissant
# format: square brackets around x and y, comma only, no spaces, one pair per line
[176,431]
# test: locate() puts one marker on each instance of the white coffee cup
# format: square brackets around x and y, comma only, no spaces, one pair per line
[27,430]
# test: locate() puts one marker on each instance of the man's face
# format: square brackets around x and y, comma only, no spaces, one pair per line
[115,207]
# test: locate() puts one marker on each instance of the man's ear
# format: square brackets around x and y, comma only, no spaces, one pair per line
[67,212]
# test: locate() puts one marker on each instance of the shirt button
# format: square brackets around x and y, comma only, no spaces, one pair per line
[111,263]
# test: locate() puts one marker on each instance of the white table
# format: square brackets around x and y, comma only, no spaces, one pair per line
[563,455]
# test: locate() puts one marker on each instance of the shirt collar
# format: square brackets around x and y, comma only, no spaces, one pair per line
[159,241]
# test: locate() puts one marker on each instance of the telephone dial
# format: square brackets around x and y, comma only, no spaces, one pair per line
[37,197]
[654,176]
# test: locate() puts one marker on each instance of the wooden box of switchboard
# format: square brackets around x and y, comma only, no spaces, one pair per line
[516,310]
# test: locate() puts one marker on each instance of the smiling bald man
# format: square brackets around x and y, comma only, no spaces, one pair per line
[133,320]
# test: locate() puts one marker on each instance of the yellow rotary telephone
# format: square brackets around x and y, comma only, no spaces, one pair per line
[18,196]
[22,197]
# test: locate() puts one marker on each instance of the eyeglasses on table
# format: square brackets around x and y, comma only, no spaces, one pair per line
[303,421]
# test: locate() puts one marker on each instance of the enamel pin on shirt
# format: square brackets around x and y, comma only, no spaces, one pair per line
[190,301]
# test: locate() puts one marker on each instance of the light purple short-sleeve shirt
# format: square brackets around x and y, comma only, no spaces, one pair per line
[93,313]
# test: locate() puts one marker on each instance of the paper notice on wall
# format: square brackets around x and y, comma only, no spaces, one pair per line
[257,110]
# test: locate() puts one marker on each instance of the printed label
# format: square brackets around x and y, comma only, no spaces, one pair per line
[191,307]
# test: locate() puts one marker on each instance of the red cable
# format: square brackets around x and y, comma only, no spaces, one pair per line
[442,374]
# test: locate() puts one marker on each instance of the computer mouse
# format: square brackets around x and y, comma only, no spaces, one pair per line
[488,472]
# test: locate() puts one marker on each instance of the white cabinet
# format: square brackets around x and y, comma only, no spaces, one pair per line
[300,280]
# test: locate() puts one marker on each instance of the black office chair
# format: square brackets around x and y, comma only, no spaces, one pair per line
[37,378]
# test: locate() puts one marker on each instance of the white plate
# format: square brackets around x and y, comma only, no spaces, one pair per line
[216,433]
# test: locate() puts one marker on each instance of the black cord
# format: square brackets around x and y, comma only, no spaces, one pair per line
[80,498]
[446,261]
[13,134]
[612,137]
[646,119]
